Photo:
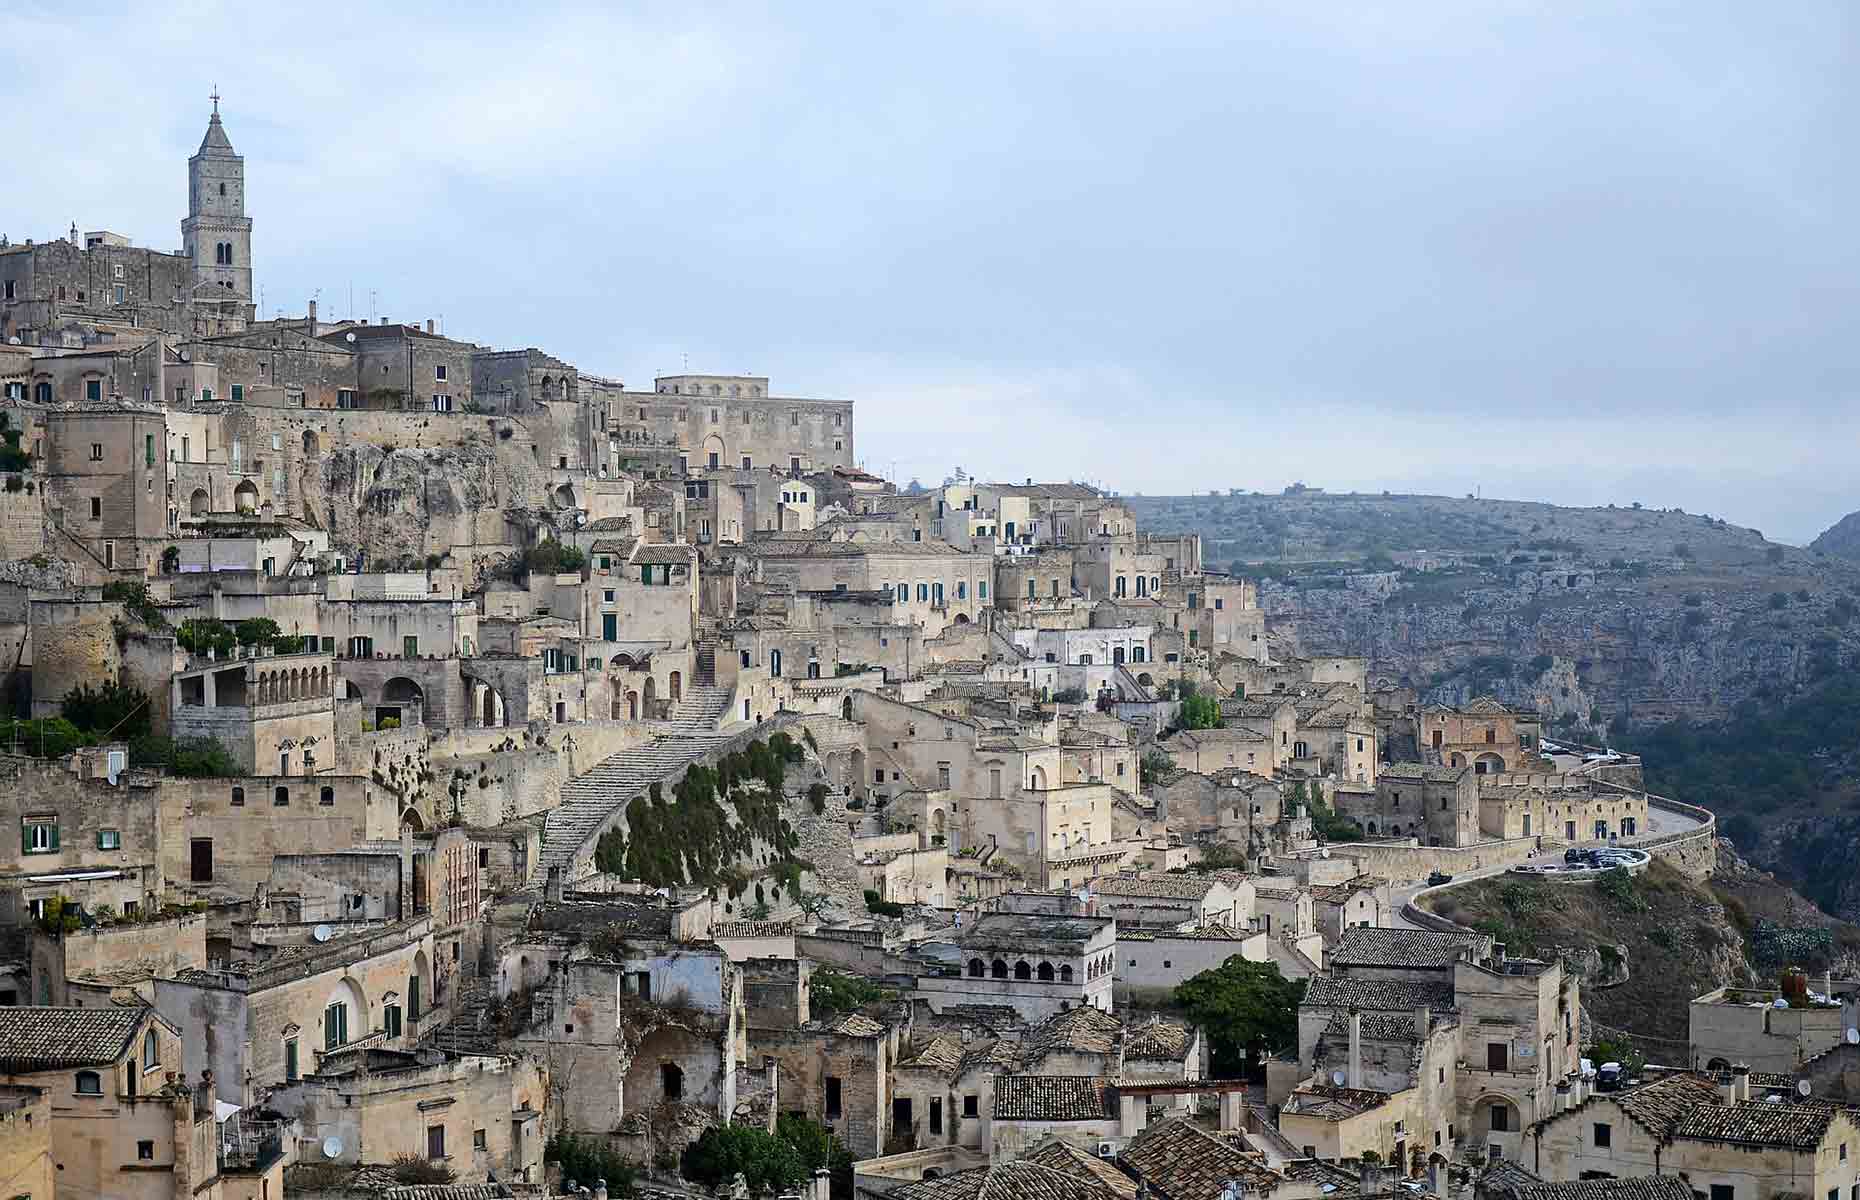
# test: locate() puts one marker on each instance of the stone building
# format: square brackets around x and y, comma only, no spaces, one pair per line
[1710,1132]
[1439,1038]
[1037,964]
[25,1140]
[730,421]
[89,831]
[105,484]
[272,1018]
[1483,734]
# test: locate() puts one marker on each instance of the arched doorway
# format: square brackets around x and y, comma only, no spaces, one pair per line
[1039,779]
[245,497]
[674,687]
[198,504]
[632,706]
[1488,764]
[411,819]
[1117,656]
[312,443]
[397,694]
[565,497]
[846,709]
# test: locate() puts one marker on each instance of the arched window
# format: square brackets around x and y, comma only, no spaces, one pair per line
[1046,972]
[238,797]
[326,797]
[672,1081]
[976,969]
[1065,973]
[1000,969]
[151,1051]
[89,1083]
[281,797]
[1022,970]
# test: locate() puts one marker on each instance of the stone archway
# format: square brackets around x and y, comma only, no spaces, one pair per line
[199,504]
[245,496]
[674,687]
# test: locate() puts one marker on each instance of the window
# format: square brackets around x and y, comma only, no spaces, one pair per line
[478,1141]
[833,1098]
[971,1106]
[145,1151]
[238,797]
[290,1059]
[1604,1135]
[335,1025]
[89,1083]
[39,835]
[281,797]
[93,389]
[435,1141]
[96,452]
[109,839]
[1723,1191]
[390,1020]
[326,797]
[96,508]
[1500,1119]
[439,372]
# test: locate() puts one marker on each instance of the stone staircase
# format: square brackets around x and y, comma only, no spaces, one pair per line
[706,662]
[588,800]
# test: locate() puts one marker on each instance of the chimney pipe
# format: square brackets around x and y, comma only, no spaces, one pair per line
[313,312]
[384,320]
[429,324]
[1740,1081]
[1356,1049]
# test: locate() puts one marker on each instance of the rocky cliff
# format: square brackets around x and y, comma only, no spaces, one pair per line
[396,507]
[1841,539]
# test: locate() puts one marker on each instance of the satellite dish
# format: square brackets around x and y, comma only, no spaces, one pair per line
[322,933]
[181,354]
[348,337]
[1337,1078]
[332,1146]
[1324,853]
[1803,1087]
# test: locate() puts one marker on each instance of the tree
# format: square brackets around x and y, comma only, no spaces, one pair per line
[1200,712]
[1153,766]
[818,1147]
[586,1160]
[197,635]
[257,631]
[112,711]
[831,992]
[765,1160]
[1247,1010]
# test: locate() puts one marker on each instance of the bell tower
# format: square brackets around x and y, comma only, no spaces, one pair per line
[217,235]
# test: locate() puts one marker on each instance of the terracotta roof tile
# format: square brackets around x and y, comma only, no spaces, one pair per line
[34,1038]
[1053,1098]
[1021,1180]
[1186,1163]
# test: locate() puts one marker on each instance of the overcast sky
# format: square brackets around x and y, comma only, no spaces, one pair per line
[1545,251]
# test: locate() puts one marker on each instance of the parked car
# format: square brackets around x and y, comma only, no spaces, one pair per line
[1436,878]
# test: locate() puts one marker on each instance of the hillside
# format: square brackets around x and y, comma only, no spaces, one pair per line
[1841,539]
[1646,945]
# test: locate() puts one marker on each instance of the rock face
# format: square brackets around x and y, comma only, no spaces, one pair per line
[1841,539]
[397,506]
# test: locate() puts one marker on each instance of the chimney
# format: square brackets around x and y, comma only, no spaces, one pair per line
[429,324]
[384,320]
[1356,1049]
[1423,1021]
[552,886]
[1498,956]
[1368,1178]
[313,312]
[1740,1082]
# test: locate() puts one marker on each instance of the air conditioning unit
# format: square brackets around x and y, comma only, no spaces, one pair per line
[1107,1149]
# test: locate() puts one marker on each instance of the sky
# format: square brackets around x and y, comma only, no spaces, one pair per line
[1560,251]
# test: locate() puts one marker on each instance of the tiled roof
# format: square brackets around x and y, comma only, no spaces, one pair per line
[1337,893]
[1662,1104]
[1159,1039]
[1318,1174]
[853,1025]
[1083,1030]
[1001,1053]
[44,1039]
[1334,1103]
[1053,1098]
[1791,1126]
[1504,1179]
[1063,1156]
[942,1053]
[1435,774]
[664,553]
[1377,1027]
[1388,995]
[1360,947]
[1021,1180]
[751,929]
[1174,887]
[1646,1187]
[1186,1163]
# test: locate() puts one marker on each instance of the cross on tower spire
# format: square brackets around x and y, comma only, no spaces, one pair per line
[215,97]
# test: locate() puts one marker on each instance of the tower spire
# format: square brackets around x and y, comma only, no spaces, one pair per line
[215,97]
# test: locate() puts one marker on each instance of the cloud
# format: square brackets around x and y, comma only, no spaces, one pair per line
[1169,246]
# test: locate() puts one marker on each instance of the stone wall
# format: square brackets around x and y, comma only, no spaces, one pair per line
[1406,861]
[73,644]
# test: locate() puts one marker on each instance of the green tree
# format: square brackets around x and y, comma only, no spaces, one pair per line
[765,1160]
[586,1160]
[257,631]
[1247,1009]
[818,1147]
[1153,766]
[197,635]
[1200,712]
[831,993]
[112,711]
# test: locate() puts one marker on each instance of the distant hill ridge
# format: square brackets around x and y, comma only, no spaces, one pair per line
[1841,539]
